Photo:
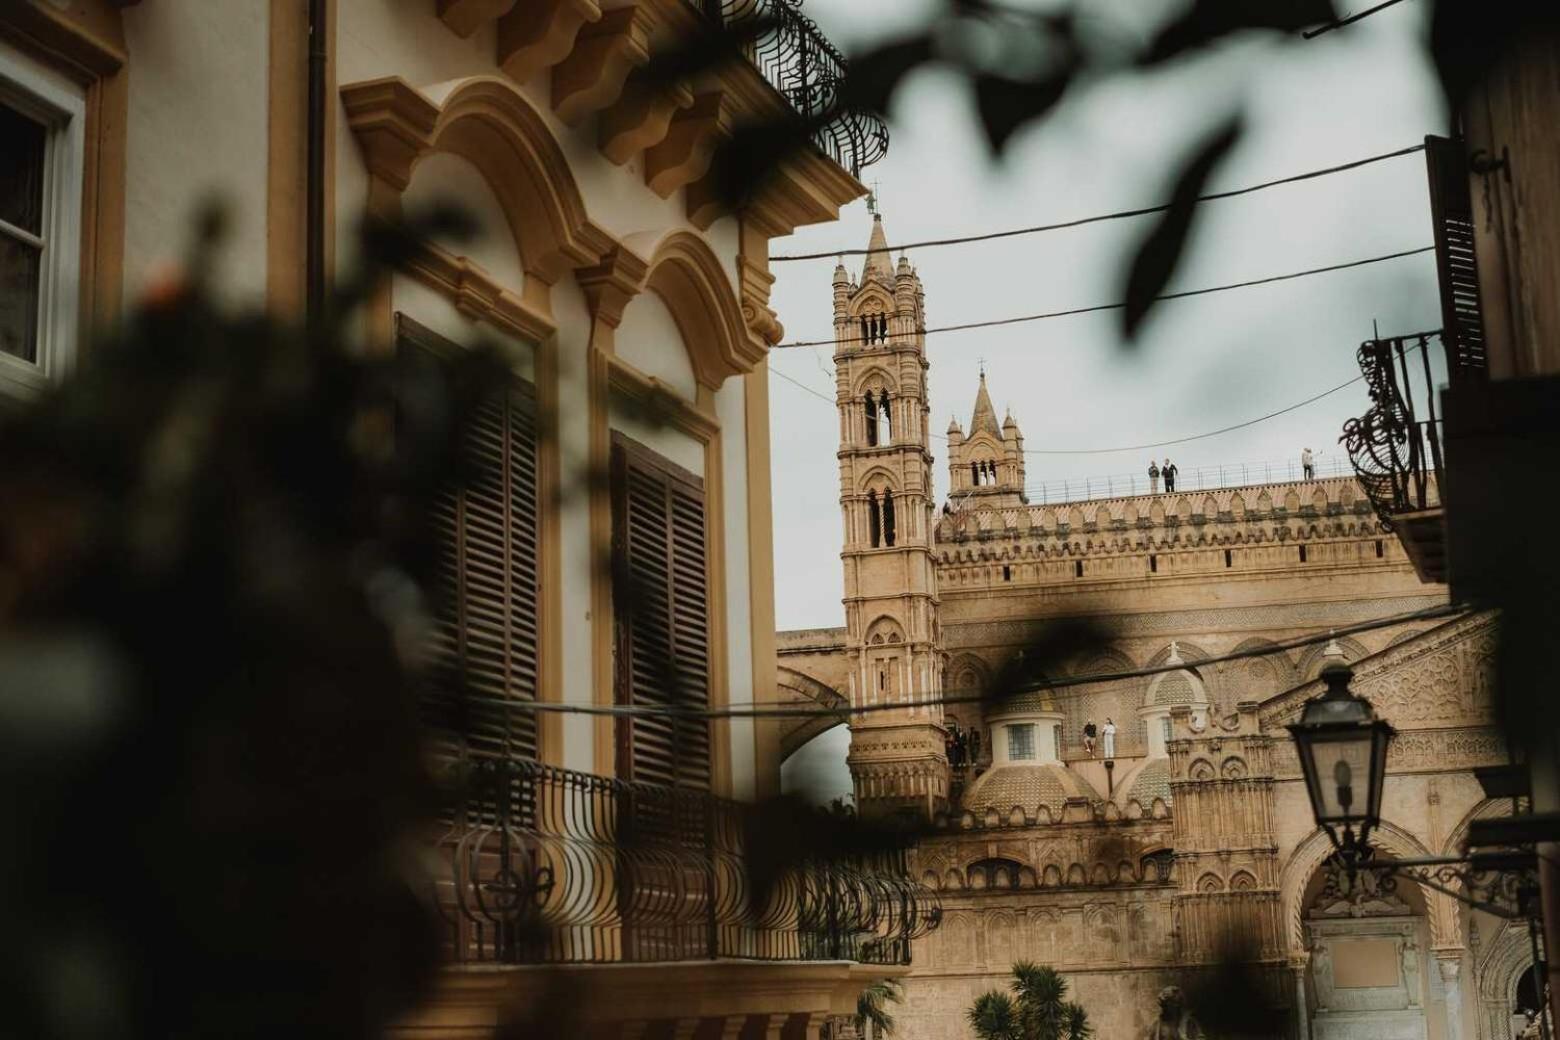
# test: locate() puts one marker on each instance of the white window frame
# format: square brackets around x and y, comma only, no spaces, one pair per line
[43,94]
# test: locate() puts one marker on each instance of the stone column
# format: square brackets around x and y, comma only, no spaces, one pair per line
[1450,964]
[1302,1013]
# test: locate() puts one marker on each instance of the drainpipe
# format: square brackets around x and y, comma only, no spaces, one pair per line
[314,229]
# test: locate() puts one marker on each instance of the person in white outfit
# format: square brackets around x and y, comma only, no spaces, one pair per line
[1108,737]
[1308,464]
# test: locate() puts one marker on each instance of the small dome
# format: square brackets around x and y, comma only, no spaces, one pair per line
[1151,781]
[841,276]
[1179,687]
[1027,786]
[1023,702]
[904,270]
[1010,423]
[954,427]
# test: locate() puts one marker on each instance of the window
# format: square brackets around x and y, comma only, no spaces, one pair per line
[1021,742]
[1077,568]
[1007,572]
[41,127]
[1164,728]
[1153,564]
[872,420]
[1229,558]
[888,517]
[660,597]
[1380,549]
[1302,554]
[874,520]
[487,595]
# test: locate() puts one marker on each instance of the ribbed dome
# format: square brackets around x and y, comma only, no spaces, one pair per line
[1181,687]
[1152,781]
[1024,702]
[1027,786]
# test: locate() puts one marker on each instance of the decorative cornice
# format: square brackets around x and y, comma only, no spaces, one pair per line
[640,118]
[592,76]
[394,126]
[464,17]
[538,34]
[684,154]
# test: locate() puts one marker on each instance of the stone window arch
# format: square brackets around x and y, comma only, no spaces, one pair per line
[872,323]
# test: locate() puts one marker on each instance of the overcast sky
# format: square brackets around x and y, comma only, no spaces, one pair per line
[1203,363]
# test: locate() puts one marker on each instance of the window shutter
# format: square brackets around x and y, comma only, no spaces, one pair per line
[486,595]
[661,609]
[1451,212]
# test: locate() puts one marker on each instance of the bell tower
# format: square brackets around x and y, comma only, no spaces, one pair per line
[897,759]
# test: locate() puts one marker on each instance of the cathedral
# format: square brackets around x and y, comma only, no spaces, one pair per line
[1194,840]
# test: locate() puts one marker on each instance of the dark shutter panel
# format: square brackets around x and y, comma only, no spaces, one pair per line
[1451,212]
[661,609]
[486,596]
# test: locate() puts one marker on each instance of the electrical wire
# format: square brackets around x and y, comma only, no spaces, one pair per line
[1156,444]
[1349,20]
[788,710]
[1183,294]
[1080,222]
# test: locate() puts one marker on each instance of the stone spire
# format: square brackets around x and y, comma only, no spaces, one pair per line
[878,263]
[985,417]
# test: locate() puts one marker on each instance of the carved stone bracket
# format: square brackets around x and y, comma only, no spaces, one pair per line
[393,124]
[538,34]
[464,17]
[640,118]
[684,155]
[592,76]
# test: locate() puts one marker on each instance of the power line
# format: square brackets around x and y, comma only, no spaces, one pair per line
[1118,306]
[1080,222]
[785,709]
[1157,444]
[1350,20]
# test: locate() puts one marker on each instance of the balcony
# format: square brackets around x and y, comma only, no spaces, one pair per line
[1396,446]
[804,68]
[577,868]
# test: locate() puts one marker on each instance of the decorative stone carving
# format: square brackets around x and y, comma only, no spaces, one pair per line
[1365,893]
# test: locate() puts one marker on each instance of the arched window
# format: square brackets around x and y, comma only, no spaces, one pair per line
[974,474]
[874,327]
[872,420]
[886,417]
[888,517]
[874,518]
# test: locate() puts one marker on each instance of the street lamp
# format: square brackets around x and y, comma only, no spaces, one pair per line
[1343,754]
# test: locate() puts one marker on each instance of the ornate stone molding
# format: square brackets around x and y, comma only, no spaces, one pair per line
[538,34]
[592,76]
[684,154]
[475,294]
[464,17]
[486,121]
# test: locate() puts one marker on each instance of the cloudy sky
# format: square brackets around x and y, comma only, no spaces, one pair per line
[1202,363]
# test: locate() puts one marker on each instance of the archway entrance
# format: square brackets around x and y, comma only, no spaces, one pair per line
[1369,965]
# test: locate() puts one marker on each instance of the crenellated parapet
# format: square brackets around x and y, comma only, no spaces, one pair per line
[1260,527]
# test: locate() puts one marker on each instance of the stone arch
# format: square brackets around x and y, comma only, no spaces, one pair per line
[871,296]
[1261,677]
[1118,699]
[1237,506]
[874,377]
[1234,768]
[1311,853]
[1102,517]
[799,688]
[685,272]
[1201,769]
[1210,882]
[1210,507]
[1243,881]
[1507,957]
[879,478]
[485,120]
[1483,810]
[884,629]
[1310,663]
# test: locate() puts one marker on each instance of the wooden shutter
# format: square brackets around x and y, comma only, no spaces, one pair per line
[1451,213]
[487,596]
[661,612]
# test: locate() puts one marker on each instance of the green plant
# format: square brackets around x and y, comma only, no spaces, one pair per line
[872,1008]
[1039,1010]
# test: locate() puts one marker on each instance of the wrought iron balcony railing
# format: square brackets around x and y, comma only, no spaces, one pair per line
[807,70]
[1396,445]
[547,865]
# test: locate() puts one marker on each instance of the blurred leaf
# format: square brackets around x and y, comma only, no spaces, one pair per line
[874,75]
[1007,104]
[1157,258]
[1208,21]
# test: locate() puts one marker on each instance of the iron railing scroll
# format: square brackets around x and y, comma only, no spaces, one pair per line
[800,63]
[572,868]
[1396,445]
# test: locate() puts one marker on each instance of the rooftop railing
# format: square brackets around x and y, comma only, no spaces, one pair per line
[1206,477]
[547,865]
[792,53]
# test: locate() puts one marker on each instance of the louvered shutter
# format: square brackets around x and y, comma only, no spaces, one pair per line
[661,610]
[1451,213]
[486,599]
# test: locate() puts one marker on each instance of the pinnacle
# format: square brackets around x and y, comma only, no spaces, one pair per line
[878,264]
[985,417]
